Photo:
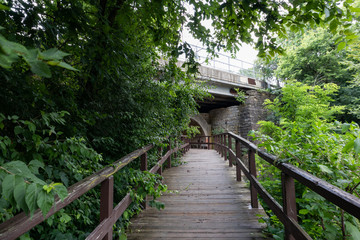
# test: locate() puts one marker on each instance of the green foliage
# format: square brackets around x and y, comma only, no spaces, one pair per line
[241,95]
[237,21]
[308,137]
[123,95]
[312,57]
[38,61]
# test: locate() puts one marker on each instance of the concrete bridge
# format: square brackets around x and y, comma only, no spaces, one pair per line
[223,111]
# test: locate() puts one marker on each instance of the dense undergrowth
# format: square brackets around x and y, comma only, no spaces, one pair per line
[307,136]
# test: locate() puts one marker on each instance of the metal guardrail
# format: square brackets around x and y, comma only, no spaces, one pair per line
[229,64]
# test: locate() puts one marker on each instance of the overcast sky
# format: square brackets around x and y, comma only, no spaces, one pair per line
[247,53]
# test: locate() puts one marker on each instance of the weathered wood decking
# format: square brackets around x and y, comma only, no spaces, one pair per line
[206,203]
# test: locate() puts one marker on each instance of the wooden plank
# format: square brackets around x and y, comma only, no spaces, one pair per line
[205,202]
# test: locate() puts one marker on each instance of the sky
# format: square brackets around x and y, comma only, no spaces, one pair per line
[247,53]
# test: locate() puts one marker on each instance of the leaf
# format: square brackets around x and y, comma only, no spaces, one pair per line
[357,145]
[61,191]
[333,25]
[348,146]
[53,54]
[45,201]
[123,236]
[18,168]
[8,186]
[3,7]
[64,179]
[19,193]
[31,196]
[31,55]
[31,127]
[34,166]
[353,230]
[9,47]
[65,218]
[67,66]
[353,9]
[303,211]
[6,61]
[325,169]
[40,68]
[341,46]
[345,127]
[352,37]
[18,130]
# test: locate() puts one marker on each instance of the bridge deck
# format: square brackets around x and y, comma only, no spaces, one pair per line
[206,203]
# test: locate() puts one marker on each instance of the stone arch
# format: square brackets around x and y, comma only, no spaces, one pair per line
[205,128]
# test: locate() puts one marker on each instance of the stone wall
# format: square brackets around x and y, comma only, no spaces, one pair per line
[240,119]
[237,119]
[252,111]
[206,117]
[225,118]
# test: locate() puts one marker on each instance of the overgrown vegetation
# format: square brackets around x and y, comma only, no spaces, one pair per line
[85,82]
[308,136]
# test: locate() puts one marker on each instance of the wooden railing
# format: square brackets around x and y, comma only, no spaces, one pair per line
[286,213]
[21,223]
[201,142]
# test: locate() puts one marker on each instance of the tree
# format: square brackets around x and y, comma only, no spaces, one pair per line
[313,57]
[122,96]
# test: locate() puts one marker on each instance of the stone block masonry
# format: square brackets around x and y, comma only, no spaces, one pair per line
[252,111]
[225,119]
[243,118]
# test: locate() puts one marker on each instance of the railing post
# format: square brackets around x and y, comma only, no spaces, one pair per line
[221,143]
[175,145]
[208,141]
[230,148]
[168,149]
[289,201]
[143,162]
[143,167]
[224,148]
[106,202]
[216,142]
[238,155]
[252,168]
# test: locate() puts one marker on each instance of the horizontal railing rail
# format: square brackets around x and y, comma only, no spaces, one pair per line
[286,212]
[21,223]
[201,142]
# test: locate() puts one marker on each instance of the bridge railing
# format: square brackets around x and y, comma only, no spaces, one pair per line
[286,213]
[227,63]
[21,223]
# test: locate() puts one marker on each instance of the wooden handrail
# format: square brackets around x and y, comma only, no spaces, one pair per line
[21,223]
[286,214]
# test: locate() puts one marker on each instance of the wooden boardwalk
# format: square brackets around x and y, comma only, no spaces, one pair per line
[206,202]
